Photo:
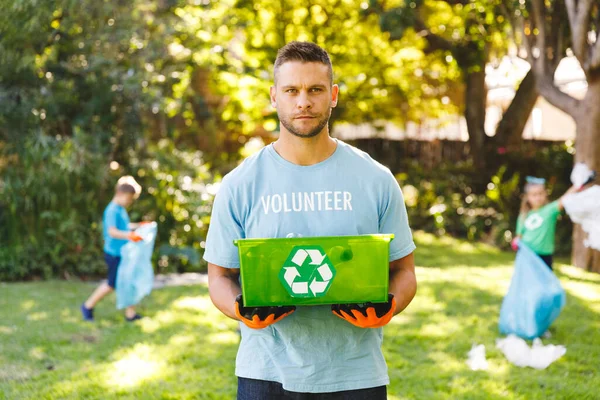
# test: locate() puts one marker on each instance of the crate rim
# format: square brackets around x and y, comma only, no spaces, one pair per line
[388,236]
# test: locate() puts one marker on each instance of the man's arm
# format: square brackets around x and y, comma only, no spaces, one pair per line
[223,288]
[403,281]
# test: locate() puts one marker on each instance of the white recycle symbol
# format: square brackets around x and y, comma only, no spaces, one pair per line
[316,286]
[534,221]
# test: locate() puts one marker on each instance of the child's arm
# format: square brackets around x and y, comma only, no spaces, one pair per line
[124,235]
[572,189]
[518,233]
[134,225]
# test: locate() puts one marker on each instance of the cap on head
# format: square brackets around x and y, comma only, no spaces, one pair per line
[535,181]
[302,52]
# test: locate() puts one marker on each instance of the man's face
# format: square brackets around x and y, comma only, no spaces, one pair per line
[303,96]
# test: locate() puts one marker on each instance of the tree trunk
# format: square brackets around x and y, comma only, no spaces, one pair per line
[587,148]
[475,103]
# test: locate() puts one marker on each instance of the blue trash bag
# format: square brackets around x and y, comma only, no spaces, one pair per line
[535,297]
[135,275]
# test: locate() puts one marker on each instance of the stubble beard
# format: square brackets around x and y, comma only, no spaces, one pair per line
[287,122]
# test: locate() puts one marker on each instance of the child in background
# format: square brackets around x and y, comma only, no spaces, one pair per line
[536,225]
[117,231]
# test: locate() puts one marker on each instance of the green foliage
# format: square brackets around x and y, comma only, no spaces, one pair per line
[165,91]
[185,348]
[180,192]
[54,193]
[376,76]
[47,210]
[446,200]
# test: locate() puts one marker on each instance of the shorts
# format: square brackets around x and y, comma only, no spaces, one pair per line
[113,264]
[252,389]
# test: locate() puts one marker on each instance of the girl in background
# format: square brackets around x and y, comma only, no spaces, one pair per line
[536,225]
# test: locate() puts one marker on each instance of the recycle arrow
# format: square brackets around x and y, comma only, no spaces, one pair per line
[315,267]
[316,257]
[290,274]
[317,286]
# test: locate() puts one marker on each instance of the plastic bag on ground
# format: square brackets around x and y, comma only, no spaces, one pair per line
[477,360]
[534,299]
[135,275]
[584,208]
[520,354]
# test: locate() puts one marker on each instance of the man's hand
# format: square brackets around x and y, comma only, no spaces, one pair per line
[134,237]
[260,317]
[367,315]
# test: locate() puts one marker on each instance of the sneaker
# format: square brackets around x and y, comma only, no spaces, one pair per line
[87,313]
[134,318]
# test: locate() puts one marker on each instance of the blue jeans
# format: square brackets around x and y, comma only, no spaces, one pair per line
[253,389]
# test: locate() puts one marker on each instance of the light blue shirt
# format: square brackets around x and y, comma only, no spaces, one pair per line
[349,193]
[114,216]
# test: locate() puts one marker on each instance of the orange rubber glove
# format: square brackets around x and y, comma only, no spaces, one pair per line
[260,317]
[366,315]
[134,237]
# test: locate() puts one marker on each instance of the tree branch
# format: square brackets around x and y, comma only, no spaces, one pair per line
[559,49]
[557,97]
[579,18]
[435,42]
[557,36]
[528,46]
[539,17]
[509,131]
[571,11]
[513,24]
[595,57]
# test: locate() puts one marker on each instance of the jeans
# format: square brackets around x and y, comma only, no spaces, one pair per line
[253,389]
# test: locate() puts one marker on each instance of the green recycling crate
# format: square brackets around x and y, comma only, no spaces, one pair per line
[315,270]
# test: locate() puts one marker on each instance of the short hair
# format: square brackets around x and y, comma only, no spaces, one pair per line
[303,52]
[125,188]
[128,184]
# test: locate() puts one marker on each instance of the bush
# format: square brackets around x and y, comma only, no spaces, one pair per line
[446,200]
[180,191]
[54,193]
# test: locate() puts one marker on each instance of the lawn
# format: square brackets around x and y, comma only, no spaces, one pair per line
[185,349]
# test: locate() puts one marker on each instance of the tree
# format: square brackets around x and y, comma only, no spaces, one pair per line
[471,34]
[366,64]
[548,28]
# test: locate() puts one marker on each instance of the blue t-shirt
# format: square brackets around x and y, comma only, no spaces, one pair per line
[114,216]
[349,193]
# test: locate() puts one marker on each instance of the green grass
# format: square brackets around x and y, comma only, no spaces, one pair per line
[185,349]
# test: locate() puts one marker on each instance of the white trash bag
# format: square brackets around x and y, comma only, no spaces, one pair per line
[518,352]
[584,208]
[477,360]
[581,174]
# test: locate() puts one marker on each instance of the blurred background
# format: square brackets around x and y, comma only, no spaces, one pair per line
[175,93]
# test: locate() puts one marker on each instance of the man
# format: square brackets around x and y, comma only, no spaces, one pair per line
[306,353]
